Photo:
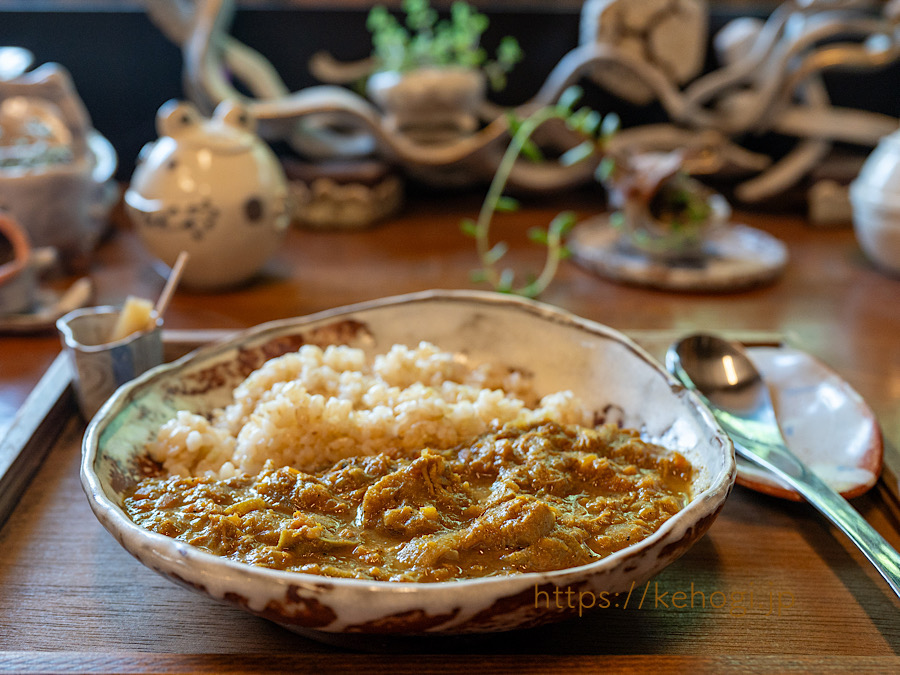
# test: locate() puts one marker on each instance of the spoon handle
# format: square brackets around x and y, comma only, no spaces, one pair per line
[783,463]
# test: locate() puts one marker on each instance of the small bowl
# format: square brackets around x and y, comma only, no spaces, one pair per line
[875,199]
[876,222]
[18,282]
[615,377]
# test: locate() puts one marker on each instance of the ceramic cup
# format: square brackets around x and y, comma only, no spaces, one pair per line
[100,367]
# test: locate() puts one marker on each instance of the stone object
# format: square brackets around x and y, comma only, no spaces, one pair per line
[670,35]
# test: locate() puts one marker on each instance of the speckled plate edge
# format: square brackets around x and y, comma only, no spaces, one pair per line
[741,257]
[871,456]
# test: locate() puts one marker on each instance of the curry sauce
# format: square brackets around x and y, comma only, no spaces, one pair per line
[524,499]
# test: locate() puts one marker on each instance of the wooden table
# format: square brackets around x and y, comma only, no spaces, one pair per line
[774,586]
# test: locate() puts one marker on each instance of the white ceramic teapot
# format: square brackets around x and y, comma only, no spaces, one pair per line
[213,188]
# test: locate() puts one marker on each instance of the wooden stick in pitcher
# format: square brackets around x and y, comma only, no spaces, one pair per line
[171,284]
[136,314]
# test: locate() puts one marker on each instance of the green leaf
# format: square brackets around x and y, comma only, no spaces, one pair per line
[505,284]
[611,124]
[605,169]
[530,290]
[496,77]
[419,16]
[509,52]
[538,236]
[507,204]
[564,253]
[514,122]
[468,227]
[591,123]
[497,251]
[569,98]
[478,276]
[575,120]
[378,18]
[577,154]
[562,223]
[531,151]
[617,220]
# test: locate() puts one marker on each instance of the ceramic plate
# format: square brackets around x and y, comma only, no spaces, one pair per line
[738,257]
[49,306]
[825,423]
[615,377]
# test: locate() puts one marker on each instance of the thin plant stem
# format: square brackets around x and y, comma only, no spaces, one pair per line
[555,250]
[495,192]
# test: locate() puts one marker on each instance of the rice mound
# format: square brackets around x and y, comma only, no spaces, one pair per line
[311,408]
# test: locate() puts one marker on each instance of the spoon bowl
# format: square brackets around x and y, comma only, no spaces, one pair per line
[725,378]
[729,381]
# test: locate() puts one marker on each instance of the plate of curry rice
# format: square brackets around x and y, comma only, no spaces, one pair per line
[425,464]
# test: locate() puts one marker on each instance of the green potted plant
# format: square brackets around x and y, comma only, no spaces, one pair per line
[431,74]
[661,211]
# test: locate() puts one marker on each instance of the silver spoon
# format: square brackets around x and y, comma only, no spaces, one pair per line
[726,379]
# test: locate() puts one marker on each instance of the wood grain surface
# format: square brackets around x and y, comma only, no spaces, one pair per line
[774,586]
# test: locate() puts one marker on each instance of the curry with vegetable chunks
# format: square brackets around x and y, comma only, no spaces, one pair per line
[523,499]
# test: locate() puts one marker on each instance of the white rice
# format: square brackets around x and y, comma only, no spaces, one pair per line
[314,407]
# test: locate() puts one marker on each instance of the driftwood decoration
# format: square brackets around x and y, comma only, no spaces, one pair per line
[769,81]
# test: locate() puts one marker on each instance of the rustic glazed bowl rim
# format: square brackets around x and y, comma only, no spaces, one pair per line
[64,326]
[113,517]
